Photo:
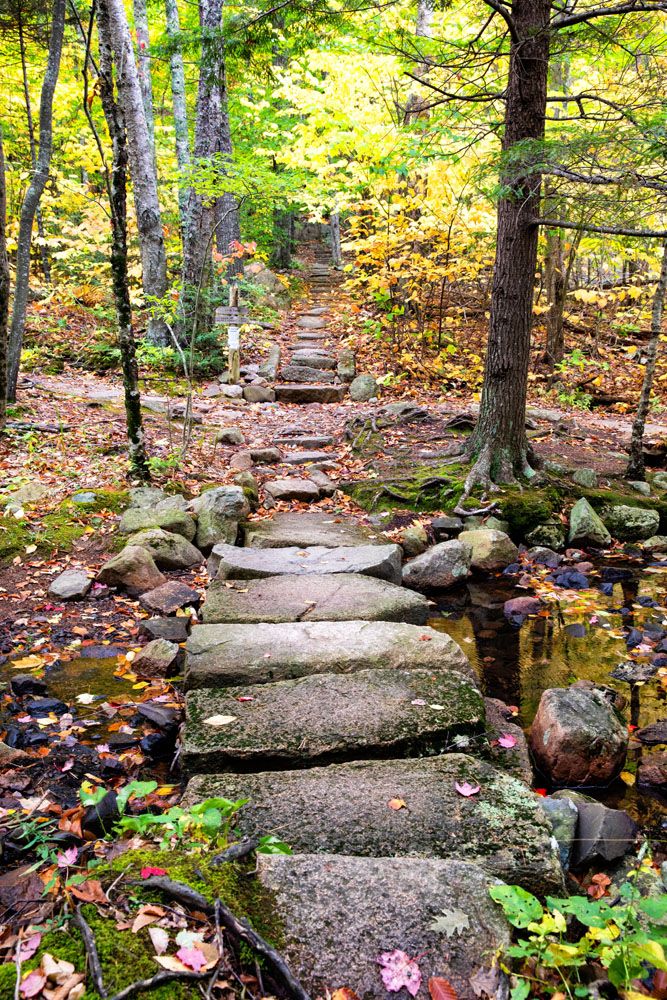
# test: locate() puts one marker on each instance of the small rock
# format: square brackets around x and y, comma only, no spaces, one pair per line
[577,738]
[640,487]
[229,435]
[634,673]
[414,539]
[10,755]
[269,368]
[242,461]
[249,485]
[653,734]
[346,367]
[265,456]
[652,770]
[41,707]
[232,391]
[71,585]
[363,388]
[518,608]
[586,527]
[326,486]
[586,478]
[656,544]
[441,566]
[169,551]
[29,493]
[171,629]
[630,524]
[169,598]
[134,568]
[259,394]
[660,481]
[551,534]
[445,527]
[157,659]
[311,323]
[491,549]
[219,511]
[544,556]
[84,498]
[293,489]
[146,496]
[23,684]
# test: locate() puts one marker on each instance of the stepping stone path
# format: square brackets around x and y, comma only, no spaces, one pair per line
[316,689]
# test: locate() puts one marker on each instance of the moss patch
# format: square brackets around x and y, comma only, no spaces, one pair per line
[420,488]
[525,509]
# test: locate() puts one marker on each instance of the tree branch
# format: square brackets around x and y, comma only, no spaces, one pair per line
[585,227]
[506,16]
[628,179]
[630,7]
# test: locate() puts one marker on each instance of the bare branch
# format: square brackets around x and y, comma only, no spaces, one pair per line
[585,227]
[630,7]
[450,96]
[506,16]
[627,179]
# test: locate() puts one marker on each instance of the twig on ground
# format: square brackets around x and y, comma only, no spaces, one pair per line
[91,951]
[245,847]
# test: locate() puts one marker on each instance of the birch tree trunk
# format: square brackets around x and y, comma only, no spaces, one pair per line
[33,195]
[144,67]
[635,469]
[138,461]
[181,132]
[142,166]
[43,251]
[4,287]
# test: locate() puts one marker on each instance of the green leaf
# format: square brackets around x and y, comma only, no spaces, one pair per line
[139,789]
[654,907]
[591,913]
[521,991]
[520,906]
[272,845]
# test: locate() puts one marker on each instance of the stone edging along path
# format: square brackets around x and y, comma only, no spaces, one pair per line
[316,690]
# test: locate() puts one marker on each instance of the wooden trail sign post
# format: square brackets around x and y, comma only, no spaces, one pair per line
[233,317]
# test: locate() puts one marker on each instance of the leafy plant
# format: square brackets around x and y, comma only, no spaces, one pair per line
[568,937]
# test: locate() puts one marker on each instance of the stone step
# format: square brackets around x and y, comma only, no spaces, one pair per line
[331,597]
[303,457]
[228,562]
[304,373]
[293,488]
[312,335]
[311,322]
[305,440]
[302,529]
[337,914]
[295,392]
[324,718]
[342,809]
[315,311]
[220,655]
[313,358]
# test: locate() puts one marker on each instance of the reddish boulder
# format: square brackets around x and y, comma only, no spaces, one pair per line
[652,770]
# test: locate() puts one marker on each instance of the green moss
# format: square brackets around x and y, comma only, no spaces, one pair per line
[124,957]
[421,488]
[525,509]
[599,499]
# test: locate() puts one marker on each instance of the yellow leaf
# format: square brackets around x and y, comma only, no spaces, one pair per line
[628,777]
[28,662]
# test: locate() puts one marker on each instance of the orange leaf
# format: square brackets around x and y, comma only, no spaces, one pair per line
[397,804]
[441,989]
[90,891]
[344,993]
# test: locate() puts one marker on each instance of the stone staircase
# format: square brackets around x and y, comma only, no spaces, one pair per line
[316,690]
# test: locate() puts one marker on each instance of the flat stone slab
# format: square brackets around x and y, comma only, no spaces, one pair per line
[302,392]
[313,358]
[293,528]
[305,440]
[303,457]
[311,322]
[220,655]
[324,718]
[332,597]
[342,809]
[338,914]
[228,562]
[310,336]
[304,490]
[306,373]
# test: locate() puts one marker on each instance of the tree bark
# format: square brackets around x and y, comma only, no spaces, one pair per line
[33,195]
[138,461]
[635,469]
[498,444]
[181,133]
[142,167]
[554,281]
[4,287]
[336,252]
[144,67]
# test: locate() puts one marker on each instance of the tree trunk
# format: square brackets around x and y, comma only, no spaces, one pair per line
[635,469]
[499,442]
[43,250]
[4,287]
[336,252]
[181,132]
[142,167]
[118,203]
[32,196]
[554,269]
[228,223]
[144,67]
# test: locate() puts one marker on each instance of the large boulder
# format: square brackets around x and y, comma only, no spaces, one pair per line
[630,524]
[441,566]
[169,551]
[219,511]
[363,388]
[577,738]
[168,519]
[338,915]
[220,655]
[491,549]
[586,527]
[134,569]
[342,809]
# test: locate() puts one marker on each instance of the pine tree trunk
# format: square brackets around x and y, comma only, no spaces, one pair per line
[33,195]
[4,286]
[635,469]
[144,67]
[499,442]
[142,167]
[138,462]
[181,132]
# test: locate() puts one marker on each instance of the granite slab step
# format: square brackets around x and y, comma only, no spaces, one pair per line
[308,336]
[300,528]
[305,440]
[294,392]
[303,490]
[311,322]
[342,809]
[229,562]
[313,358]
[324,718]
[221,655]
[303,373]
[332,597]
[337,914]
[303,457]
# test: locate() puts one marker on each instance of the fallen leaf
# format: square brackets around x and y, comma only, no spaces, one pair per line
[466,789]
[33,984]
[67,858]
[441,989]
[89,892]
[628,777]
[450,922]
[148,871]
[29,662]
[30,946]
[219,720]
[397,804]
[85,698]
[194,958]
[344,993]
[159,938]
[147,915]
[398,971]
[507,741]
